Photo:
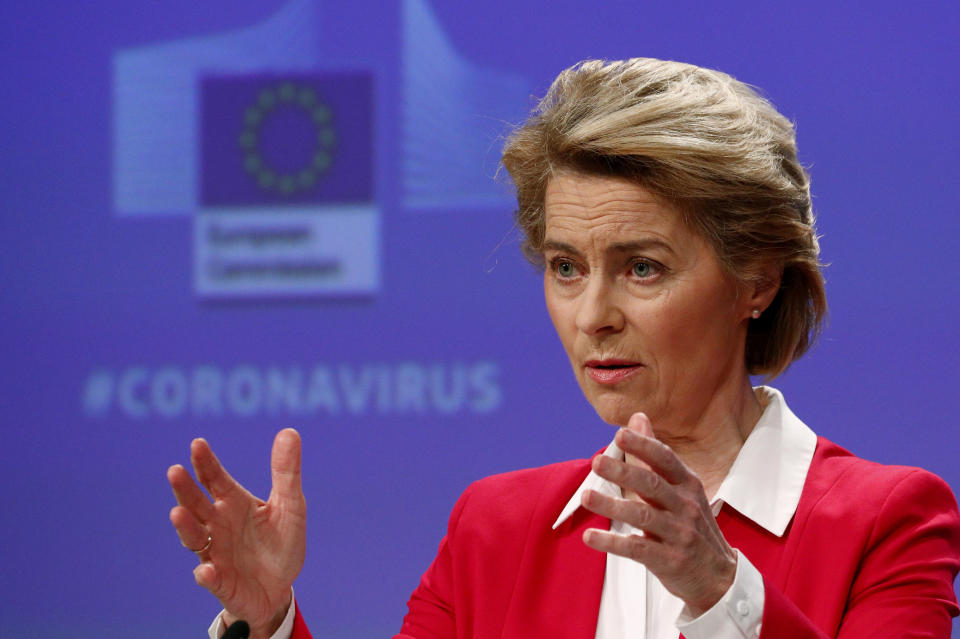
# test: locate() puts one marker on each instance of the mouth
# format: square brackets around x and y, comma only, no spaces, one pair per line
[611,371]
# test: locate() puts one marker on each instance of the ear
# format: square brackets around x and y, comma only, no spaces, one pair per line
[761,290]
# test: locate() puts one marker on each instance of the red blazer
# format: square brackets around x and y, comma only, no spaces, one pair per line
[872,551]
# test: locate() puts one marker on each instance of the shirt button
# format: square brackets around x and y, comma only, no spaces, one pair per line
[743,608]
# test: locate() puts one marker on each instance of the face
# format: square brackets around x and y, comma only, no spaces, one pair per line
[649,319]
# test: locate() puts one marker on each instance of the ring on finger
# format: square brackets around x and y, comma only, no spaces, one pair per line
[205,548]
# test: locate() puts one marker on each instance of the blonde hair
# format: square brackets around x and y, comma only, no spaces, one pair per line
[708,145]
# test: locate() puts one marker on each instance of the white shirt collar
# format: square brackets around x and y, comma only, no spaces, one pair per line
[766,479]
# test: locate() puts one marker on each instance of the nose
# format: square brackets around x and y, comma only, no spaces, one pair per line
[598,311]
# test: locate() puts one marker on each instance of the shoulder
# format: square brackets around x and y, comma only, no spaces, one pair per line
[844,488]
[887,539]
[835,469]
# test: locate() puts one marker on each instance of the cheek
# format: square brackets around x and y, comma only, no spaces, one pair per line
[703,335]
[560,315]
[682,328]
[550,302]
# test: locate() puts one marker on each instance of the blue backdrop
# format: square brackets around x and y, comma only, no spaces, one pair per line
[223,218]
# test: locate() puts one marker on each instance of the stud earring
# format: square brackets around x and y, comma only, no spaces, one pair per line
[755,313]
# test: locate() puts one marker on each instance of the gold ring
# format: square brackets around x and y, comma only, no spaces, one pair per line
[205,548]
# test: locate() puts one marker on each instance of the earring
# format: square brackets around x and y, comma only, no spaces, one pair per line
[755,313]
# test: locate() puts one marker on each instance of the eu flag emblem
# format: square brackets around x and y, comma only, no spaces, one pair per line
[274,139]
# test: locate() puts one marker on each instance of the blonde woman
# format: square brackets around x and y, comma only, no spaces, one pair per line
[674,226]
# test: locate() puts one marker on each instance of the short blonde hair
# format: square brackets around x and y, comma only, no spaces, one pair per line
[708,145]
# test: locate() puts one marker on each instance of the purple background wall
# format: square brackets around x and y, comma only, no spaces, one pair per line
[436,364]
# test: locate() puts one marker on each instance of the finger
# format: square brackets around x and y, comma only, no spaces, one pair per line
[641,516]
[649,485]
[193,535]
[285,466]
[188,494]
[206,575]
[640,424]
[209,470]
[635,547]
[655,453]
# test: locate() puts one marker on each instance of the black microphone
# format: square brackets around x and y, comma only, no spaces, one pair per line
[239,629]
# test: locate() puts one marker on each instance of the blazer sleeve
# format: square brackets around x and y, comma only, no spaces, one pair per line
[904,583]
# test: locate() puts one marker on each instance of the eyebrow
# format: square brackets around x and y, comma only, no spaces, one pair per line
[616,247]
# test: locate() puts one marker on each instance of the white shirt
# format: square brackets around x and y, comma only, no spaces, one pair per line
[764,484]
[217,628]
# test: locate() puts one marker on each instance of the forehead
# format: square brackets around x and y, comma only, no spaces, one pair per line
[577,204]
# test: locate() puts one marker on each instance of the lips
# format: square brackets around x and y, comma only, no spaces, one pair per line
[611,371]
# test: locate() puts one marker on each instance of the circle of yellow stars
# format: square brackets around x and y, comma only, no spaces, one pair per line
[269,99]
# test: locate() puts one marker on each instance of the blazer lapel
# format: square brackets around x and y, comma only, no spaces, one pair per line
[558,593]
[761,547]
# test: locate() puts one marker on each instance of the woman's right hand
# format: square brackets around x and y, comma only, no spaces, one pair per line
[256,547]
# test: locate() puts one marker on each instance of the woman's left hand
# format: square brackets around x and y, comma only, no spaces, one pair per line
[681,542]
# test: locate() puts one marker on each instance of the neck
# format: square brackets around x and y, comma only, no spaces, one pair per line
[709,443]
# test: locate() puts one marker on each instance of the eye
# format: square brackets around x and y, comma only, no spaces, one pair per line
[565,269]
[643,269]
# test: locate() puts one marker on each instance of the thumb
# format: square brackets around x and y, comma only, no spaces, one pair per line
[640,423]
[285,466]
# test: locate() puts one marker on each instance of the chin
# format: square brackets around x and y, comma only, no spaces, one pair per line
[615,405]
[614,411]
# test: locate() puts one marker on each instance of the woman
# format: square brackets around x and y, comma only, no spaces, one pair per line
[674,224]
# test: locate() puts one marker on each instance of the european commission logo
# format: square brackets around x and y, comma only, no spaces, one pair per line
[286,188]
[286,139]
[269,152]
